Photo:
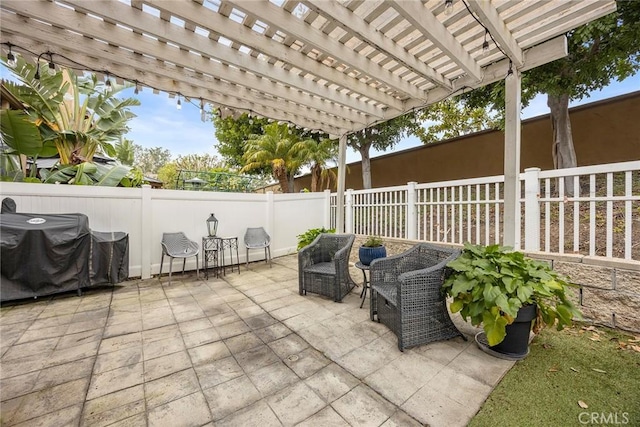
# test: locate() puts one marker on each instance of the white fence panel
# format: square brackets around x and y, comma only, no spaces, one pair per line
[145,214]
[605,206]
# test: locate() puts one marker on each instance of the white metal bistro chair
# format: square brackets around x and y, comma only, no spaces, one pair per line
[178,245]
[257,238]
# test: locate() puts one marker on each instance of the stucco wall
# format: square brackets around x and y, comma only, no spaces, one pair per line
[604,132]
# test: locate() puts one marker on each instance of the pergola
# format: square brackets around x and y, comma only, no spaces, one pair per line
[332,66]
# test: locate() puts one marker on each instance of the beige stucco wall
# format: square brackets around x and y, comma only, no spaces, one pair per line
[603,132]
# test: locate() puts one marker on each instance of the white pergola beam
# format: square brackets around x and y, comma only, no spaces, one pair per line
[274,15]
[488,15]
[46,34]
[534,57]
[192,12]
[94,28]
[356,25]
[196,86]
[422,19]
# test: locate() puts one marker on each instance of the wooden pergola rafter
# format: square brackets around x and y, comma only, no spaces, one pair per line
[335,66]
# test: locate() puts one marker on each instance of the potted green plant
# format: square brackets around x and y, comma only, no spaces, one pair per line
[371,249]
[310,235]
[506,292]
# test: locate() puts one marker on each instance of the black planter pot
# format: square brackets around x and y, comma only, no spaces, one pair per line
[515,345]
[368,254]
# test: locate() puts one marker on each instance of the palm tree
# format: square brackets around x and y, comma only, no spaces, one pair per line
[276,148]
[318,153]
[75,114]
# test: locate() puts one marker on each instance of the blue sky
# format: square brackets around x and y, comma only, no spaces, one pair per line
[160,124]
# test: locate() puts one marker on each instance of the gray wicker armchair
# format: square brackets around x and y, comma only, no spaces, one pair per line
[406,295]
[323,266]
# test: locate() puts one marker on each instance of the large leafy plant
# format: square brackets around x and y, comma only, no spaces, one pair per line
[489,284]
[73,116]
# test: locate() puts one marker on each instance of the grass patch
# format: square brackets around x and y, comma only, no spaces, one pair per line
[584,365]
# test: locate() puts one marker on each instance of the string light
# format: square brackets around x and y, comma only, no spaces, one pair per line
[222,111]
[11,58]
[448,7]
[52,68]
[510,70]
[485,44]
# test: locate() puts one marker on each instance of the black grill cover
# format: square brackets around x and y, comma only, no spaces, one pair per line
[109,257]
[43,254]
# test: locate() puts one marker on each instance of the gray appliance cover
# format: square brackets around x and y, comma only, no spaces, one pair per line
[109,257]
[43,254]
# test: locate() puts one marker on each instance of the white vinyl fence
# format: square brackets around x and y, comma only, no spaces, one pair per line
[146,213]
[600,217]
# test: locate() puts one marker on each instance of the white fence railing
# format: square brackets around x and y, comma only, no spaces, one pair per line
[600,216]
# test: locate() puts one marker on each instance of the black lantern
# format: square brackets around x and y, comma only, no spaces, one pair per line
[212,225]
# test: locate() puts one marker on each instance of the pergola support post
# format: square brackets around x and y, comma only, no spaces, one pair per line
[512,131]
[342,156]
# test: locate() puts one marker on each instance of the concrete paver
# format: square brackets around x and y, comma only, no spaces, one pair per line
[239,350]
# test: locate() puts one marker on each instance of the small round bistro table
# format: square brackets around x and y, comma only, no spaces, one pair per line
[365,283]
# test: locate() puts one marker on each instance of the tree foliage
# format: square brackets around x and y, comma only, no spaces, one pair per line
[278,149]
[168,172]
[382,136]
[451,118]
[149,160]
[317,154]
[199,162]
[232,135]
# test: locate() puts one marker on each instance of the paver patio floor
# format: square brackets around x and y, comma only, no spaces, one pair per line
[241,350]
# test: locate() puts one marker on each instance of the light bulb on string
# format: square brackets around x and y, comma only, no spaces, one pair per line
[485,44]
[203,116]
[137,89]
[37,74]
[510,70]
[107,85]
[179,103]
[448,7]
[11,58]
[51,69]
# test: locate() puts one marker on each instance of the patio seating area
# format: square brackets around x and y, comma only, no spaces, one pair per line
[238,350]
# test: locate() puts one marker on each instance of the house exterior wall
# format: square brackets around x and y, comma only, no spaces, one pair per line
[603,132]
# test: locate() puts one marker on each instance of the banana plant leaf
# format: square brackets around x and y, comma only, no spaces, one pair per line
[62,175]
[19,133]
[111,175]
